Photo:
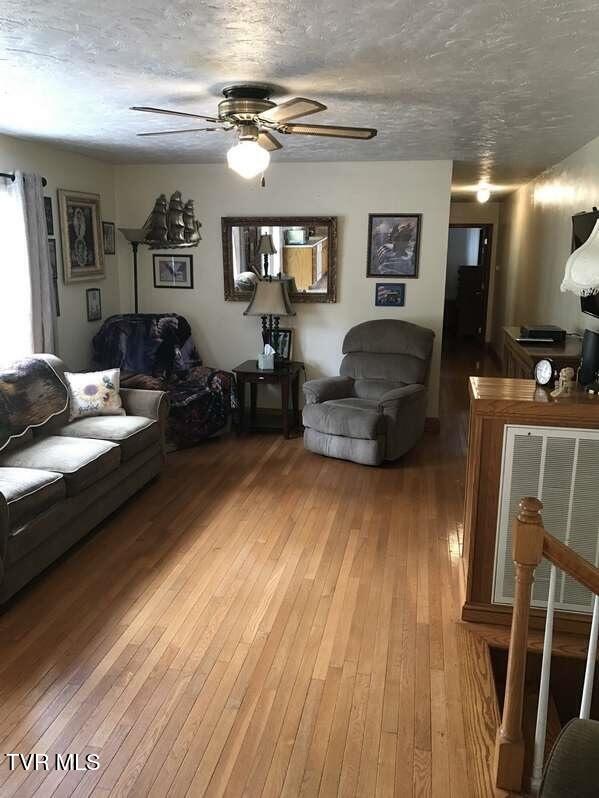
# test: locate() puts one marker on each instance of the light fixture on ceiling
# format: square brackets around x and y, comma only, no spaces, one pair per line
[248,109]
[248,158]
[483,193]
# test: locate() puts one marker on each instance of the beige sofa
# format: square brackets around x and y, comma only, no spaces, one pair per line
[58,481]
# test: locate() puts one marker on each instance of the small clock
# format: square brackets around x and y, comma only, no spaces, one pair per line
[545,371]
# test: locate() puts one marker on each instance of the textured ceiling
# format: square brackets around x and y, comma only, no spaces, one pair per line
[502,88]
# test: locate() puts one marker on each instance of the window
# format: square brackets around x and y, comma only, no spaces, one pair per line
[16,330]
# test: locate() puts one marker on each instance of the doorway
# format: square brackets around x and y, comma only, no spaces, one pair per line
[467,282]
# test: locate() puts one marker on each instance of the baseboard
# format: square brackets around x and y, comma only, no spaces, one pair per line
[432,424]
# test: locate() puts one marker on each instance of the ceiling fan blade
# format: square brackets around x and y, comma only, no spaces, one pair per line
[298,106]
[149,110]
[268,141]
[336,131]
[186,130]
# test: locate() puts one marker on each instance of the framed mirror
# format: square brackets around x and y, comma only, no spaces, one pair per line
[305,252]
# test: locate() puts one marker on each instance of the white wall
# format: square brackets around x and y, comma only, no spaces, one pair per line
[482,213]
[535,241]
[67,170]
[349,191]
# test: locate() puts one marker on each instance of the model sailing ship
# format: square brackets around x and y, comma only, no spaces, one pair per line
[172,224]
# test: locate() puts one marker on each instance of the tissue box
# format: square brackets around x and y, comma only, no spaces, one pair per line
[266,362]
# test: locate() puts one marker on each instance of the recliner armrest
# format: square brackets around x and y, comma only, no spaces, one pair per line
[325,388]
[149,404]
[397,396]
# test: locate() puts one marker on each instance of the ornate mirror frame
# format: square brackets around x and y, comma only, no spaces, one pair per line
[228,222]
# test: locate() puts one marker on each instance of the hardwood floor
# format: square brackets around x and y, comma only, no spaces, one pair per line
[261,621]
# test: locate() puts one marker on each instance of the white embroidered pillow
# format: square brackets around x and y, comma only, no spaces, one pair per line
[94,394]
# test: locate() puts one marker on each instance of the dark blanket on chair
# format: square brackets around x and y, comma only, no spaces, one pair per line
[31,392]
[156,351]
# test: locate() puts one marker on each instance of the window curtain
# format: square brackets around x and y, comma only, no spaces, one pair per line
[27,309]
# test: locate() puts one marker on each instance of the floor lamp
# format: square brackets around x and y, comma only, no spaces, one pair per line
[135,236]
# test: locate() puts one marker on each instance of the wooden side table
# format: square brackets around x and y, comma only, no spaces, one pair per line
[286,375]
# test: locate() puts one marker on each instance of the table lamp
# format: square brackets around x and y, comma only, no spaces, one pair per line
[266,247]
[270,300]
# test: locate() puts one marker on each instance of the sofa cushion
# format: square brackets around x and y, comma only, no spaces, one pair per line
[132,433]
[81,461]
[28,492]
[352,418]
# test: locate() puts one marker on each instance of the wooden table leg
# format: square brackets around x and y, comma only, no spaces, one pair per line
[285,405]
[295,400]
[241,400]
[253,394]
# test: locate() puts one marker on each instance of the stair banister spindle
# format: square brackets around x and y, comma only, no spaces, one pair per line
[589,674]
[528,535]
[541,727]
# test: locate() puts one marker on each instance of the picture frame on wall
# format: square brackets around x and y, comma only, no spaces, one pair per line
[49,215]
[283,344]
[390,295]
[109,238]
[54,273]
[173,271]
[81,235]
[93,299]
[393,244]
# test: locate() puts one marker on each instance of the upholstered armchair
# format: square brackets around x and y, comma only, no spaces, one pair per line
[375,410]
[156,351]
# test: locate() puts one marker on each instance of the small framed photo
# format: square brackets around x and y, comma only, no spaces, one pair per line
[49,215]
[393,244]
[390,295]
[173,271]
[94,304]
[283,344]
[54,273]
[108,238]
[81,231]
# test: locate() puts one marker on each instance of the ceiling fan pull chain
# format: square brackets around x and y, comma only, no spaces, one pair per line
[263,181]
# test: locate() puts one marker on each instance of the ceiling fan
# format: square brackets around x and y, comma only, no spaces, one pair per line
[248,110]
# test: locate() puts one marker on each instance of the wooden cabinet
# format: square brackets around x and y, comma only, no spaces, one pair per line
[306,263]
[494,403]
[519,360]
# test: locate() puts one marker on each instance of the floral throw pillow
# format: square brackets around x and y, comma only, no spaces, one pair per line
[94,394]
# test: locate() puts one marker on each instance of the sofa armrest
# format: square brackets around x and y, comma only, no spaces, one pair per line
[393,399]
[316,391]
[149,404]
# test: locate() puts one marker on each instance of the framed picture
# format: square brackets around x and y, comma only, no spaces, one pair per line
[393,244]
[54,272]
[81,234]
[173,271]
[390,295]
[108,238]
[283,345]
[49,215]
[93,299]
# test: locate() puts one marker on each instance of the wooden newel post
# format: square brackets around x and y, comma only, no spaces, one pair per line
[528,534]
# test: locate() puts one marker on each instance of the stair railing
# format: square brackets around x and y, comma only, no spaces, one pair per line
[531,542]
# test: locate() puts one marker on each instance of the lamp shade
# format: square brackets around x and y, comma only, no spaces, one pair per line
[582,267]
[133,234]
[266,246]
[271,298]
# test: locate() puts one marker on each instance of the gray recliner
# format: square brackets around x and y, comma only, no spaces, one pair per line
[375,410]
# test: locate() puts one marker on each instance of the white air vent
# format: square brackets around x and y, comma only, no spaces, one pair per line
[561,468]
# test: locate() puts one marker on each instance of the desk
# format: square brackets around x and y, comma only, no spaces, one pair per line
[286,376]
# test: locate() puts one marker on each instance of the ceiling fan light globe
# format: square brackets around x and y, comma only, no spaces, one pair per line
[248,159]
